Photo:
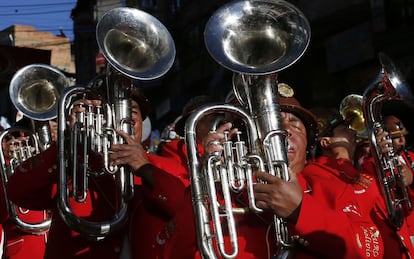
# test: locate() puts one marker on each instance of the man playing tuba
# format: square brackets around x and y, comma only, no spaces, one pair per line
[319,219]
[153,180]
[26,230]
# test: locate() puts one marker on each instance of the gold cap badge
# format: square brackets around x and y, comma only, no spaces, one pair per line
[285,90]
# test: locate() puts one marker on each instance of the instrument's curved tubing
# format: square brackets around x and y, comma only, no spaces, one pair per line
[34,91]
[136,46]
[199,203]
[6,171]
[88,228]
[255,39]
[389,85]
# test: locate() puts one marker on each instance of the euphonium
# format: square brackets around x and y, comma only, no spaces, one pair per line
[255,39]
[137,47]
[34,91]
[389,85]
[23,147]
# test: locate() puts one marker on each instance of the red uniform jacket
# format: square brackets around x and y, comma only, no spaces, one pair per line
[321,231]
[3,218]
[157,219]
[255,235]
[356,196]
[340,217]
[148,216]
[325,228]
[177,150]
[18,243]
[150,224]
[407,157]
[39,174]
[21,244]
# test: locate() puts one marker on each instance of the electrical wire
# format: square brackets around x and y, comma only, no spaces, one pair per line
[35,13]
[35,5]
[42,16]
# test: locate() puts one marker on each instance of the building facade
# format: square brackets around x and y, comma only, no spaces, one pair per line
[28,37]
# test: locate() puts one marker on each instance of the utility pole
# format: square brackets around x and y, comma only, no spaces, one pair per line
[85,46]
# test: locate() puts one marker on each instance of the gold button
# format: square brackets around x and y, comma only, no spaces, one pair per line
[162,197]
[50,170]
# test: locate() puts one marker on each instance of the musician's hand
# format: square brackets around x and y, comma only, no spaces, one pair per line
[14,144]
[213,141]
[407,174]
[282,197]
[9,147]
[383,142]
[132,153]
[53,130]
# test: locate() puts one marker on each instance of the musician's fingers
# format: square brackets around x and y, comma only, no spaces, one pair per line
[266,177]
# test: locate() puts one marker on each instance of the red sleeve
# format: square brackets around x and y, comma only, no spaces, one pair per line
[183,241]
[177,151]
[168,185]
[174,149]
[33,184]
[172,166]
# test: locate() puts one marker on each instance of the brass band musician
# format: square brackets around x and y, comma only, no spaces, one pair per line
[312,206]
[398,132]
[22,243]
[361,196]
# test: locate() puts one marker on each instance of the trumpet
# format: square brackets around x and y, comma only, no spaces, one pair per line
[389,85]
[34,91]
[137,47]
[254,39]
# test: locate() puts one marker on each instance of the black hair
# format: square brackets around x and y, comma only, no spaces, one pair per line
[319,148]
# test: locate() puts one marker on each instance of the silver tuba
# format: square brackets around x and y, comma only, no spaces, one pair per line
[255,39]
[137,47]
[34,90]
[389,85]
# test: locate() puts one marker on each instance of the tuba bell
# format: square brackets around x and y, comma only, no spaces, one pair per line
[254,39]
[136,46]
[389,85]
[34,90]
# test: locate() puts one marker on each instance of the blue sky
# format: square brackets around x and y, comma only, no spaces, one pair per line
[44,15]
